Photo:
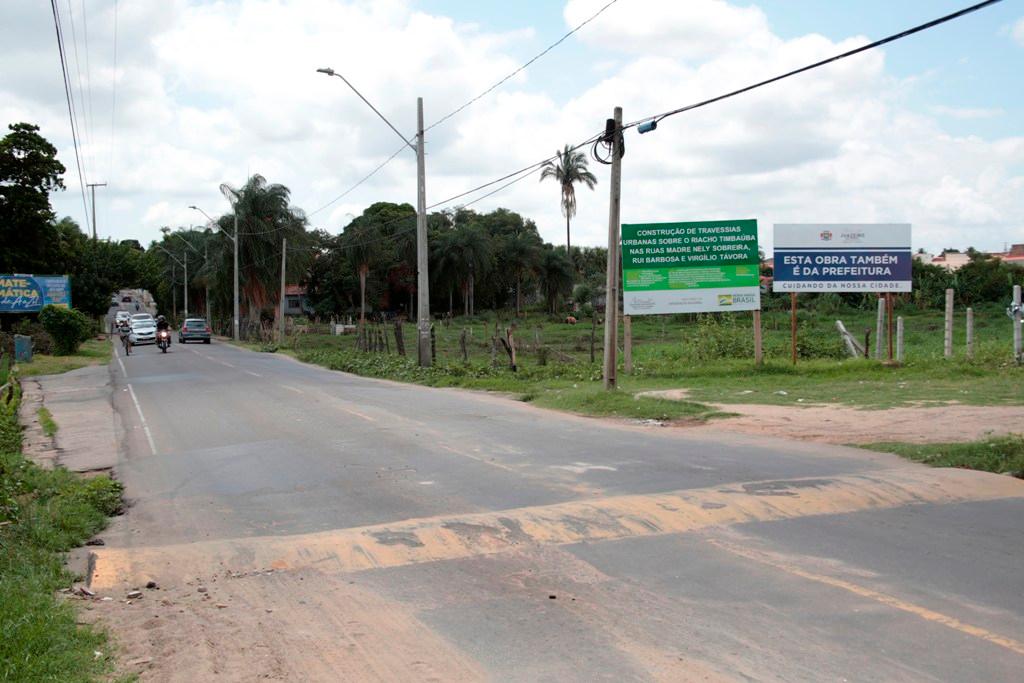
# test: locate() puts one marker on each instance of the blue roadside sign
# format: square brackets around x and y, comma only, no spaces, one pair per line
[29,293]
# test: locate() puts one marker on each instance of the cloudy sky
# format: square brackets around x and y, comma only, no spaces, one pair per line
[926,131]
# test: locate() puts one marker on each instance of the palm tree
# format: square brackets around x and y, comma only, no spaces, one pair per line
[364,248]
[265,217]
[571,168]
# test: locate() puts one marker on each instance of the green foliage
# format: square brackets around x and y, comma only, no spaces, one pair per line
[42,342]
[68,327]
[45,513]
[46,421]
[1002,454]
[29,171]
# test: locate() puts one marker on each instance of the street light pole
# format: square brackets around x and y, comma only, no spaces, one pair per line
[230,194]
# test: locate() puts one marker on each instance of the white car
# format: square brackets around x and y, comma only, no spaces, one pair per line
[141,316]
[142,332]
[121,316]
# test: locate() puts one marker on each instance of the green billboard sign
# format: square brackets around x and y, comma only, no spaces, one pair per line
[691,267]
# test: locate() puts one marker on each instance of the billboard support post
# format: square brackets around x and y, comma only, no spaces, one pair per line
[792,324]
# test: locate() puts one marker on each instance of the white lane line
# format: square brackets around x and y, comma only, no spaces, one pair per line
[358,414]
[121,363]
[250,372]
[297,391]
[145,425]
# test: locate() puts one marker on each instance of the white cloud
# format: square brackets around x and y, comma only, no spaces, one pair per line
[1018,31]
[967,113]
[210,92]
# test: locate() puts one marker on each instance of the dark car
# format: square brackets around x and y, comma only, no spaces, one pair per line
[194,329]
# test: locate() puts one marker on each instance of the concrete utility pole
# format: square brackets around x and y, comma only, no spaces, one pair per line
[93,186]
[284,253]
[611,306]
[422,280]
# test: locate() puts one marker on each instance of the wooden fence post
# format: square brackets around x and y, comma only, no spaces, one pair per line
[627,343]
[758,346]
[948,346]
[970,332]
[899,339]
[792,324]
[879,325]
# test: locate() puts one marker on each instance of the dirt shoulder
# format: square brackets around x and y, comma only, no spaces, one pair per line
[845,425]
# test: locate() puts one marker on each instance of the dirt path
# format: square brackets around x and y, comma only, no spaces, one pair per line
[291,626]
[845,425]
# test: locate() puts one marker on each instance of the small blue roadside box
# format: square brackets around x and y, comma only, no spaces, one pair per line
[22,348]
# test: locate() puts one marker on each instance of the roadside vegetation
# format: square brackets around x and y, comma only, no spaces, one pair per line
[710,357]
[1002,455]
[44,514]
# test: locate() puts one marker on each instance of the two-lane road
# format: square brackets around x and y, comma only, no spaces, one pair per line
[422,534]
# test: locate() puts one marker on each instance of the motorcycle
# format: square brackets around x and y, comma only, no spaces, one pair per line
[163,340]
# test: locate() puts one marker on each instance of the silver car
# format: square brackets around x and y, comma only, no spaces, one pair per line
[142,332]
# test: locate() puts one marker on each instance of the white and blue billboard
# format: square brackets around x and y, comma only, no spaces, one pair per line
[828,257]
[29,293]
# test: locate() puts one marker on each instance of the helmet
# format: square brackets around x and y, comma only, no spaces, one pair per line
[160,318]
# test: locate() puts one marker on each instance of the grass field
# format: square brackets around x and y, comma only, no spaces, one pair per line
[711,356]
[92,352]
[1003,455]
[43,514]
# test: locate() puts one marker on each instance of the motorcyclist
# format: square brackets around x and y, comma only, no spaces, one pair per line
[162,324]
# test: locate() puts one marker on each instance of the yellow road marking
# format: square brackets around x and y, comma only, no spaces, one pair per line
[864,592]
[459,536]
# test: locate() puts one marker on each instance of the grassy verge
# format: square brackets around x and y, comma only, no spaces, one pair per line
[92,352]
[710,356]
[47,422]
[43,514]
[1003,454]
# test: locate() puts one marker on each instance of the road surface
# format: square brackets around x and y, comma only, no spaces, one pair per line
[304,524]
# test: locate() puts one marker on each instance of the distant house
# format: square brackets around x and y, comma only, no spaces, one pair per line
[295,302]
[1015,255]
[924,257]
[951,260]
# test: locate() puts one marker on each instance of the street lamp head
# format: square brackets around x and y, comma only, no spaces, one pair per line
[329,71]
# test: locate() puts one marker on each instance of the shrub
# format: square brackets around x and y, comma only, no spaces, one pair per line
[42,342]
[68,327]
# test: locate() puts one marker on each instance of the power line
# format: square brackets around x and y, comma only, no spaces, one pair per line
[113,99]
[360,182]
[533,59]
[67,95]
[896,36]
[465,104]
[81,113]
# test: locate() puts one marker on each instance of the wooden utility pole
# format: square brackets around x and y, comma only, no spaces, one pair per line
[611,307]
[423,345]
[284,253]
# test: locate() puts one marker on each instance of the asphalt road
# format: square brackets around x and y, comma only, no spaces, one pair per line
[526,545]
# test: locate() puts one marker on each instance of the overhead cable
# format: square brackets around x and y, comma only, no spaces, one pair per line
[870,46]
[67,95]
